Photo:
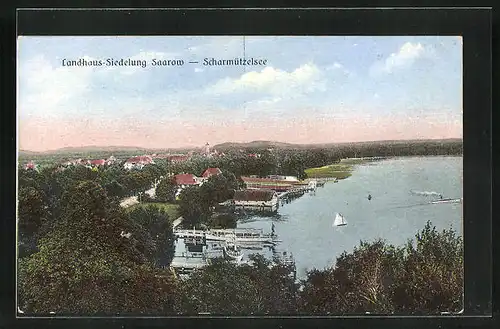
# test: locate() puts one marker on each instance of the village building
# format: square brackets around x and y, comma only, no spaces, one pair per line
[178,158]
[184,180]
[96,163]
[208,152]
[211,172]
[111,160]
[73,162]
[292,179]
[138,162]
[254,155]
[277,185]
[30,166]
[256,199]
[174,158]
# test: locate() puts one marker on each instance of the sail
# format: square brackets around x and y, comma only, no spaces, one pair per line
[339,220]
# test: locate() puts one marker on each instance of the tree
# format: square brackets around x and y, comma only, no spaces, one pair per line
[32,214]
[158,226]
[165,191]
[224,220]
[194,206]
[136,181]
[94,261]
[219,188]
[227,289]
[115,189]
[432,279]
[360,282]
[424,277]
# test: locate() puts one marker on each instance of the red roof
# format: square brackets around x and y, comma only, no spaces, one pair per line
[98,162]
[140,159]
[30,165]
[185,179]
[175,158]
[210,172]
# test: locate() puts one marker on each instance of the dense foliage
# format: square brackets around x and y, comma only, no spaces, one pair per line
[85,264]
[165,191]
[197,203]
[423,277]
[226,289]
[158,229]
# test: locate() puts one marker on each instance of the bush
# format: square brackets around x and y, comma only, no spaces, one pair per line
[424,277]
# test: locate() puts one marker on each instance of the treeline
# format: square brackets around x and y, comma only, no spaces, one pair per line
[116,180]
[401,148]
[293,162]
[423,277]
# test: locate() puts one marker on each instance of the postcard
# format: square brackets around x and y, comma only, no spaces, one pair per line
[239,175]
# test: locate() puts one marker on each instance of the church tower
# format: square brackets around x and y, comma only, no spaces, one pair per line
[207,149]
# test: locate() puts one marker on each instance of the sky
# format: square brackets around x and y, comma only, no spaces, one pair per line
[313,89]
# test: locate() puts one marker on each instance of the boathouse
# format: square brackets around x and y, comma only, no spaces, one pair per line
[259,199]
[267,183]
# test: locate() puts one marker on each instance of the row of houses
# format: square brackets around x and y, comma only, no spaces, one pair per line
[92,163]
[184,180]
[260,193]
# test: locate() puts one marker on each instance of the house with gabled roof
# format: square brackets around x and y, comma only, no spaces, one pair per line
[259,199]
[211,172]
[184,180]
[138,162]
[30,166]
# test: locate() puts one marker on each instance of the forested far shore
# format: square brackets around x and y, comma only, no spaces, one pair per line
[381,148]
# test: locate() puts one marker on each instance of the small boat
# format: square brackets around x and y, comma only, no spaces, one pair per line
[339,220]
[369,196]
[232,251]
[447,201]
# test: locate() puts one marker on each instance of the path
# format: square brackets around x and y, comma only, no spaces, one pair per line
[130,201]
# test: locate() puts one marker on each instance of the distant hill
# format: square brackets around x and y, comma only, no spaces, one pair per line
[98,149]
[271,144]
[222,147]
[28,153]
[255,144]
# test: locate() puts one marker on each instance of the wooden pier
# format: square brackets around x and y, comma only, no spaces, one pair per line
[247,236]
[298,191]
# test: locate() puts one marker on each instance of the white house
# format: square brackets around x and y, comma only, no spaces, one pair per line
[138,162]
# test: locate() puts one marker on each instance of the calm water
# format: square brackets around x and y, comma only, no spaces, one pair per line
[397,211]
[401,190]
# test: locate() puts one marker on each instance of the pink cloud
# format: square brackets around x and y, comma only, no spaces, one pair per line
[40,134]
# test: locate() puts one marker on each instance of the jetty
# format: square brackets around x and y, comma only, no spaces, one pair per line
[242,235]
[299,190]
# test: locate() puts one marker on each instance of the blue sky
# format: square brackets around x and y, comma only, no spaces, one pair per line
[322,77]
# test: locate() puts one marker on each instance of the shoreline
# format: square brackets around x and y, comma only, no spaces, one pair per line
[346,166]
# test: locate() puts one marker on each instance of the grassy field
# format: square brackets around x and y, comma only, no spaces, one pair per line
[337,170]
[170,208]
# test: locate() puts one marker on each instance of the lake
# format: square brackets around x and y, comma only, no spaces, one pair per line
[401,189]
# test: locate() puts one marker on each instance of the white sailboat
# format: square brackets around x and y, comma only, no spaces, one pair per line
[339,220]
